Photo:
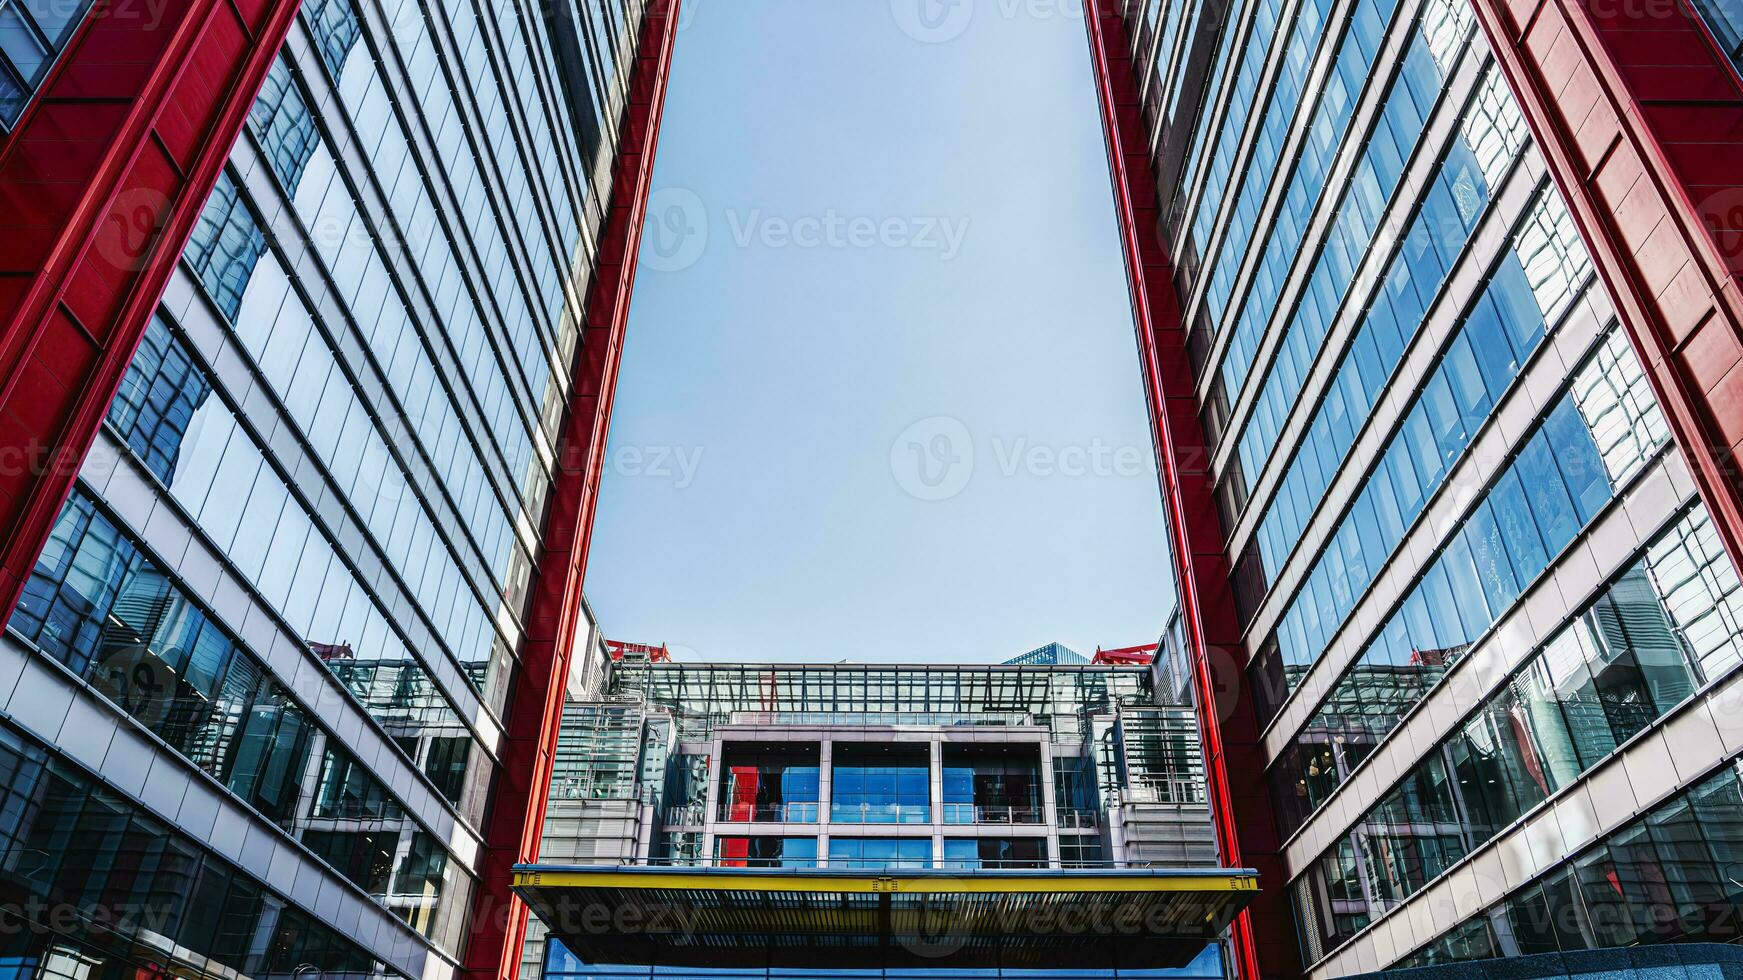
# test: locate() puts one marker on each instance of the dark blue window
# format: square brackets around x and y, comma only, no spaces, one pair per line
[158,398]
[880,787]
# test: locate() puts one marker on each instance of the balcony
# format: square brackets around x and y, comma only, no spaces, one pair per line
[1179,792]
[692,814]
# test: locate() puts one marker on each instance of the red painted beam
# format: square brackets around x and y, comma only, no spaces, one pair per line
[100,185]
[1640,117]
[516,815]
[1264,942]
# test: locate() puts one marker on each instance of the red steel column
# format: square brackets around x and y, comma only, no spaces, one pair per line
[100,185]
[517,807]
[1640,117]
[1264,940]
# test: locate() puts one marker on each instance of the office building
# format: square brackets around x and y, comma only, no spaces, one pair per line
[1057,773]
[1439,317]
[308,318]
[311,316]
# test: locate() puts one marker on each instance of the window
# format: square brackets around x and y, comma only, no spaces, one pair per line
[280,119]
[995,852]
[225,244]
[991,786]
[1613,669]
[874,786]
[335,27]
[158,399]
[769,785]
[71,840]
[766,852]
[1725,19]
[880,852]
[32,35]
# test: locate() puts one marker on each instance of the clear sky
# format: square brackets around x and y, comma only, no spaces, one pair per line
[880,398]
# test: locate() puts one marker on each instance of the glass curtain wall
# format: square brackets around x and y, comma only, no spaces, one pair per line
[881,784]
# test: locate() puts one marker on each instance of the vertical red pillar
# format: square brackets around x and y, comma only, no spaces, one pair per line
[516,816]
[1640,117]
[1263,938]
[101,182]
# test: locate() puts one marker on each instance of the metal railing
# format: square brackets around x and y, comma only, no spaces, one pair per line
[1175,791]
[929,719]
[1079,819]
[893,813]
[595,789]
[694,813]
[966,813]
[795,812]
[861,865]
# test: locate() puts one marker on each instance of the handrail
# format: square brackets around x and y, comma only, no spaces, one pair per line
[975,813]
[800,811]
[892,813]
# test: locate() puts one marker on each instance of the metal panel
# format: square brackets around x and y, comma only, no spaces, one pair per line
[1264,944]
[100,184]
[555,618]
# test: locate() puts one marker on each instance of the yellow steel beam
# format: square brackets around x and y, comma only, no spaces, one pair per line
[968,883]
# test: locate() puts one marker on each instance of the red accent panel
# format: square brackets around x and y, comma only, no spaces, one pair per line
[100,185]
[1264,942]
[516,817]
[1640,117]
[742,804]
[734,852]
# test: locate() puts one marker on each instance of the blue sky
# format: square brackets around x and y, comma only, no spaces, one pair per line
[880,397]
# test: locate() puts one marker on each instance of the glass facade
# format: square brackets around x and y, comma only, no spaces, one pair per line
[290,586]
[1658,633]
[1668,876]
[876,786]
[1725,19]
[1530,514]
[1059,699]
[297,564]
[776,785]
[137,889]
[1437,461]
